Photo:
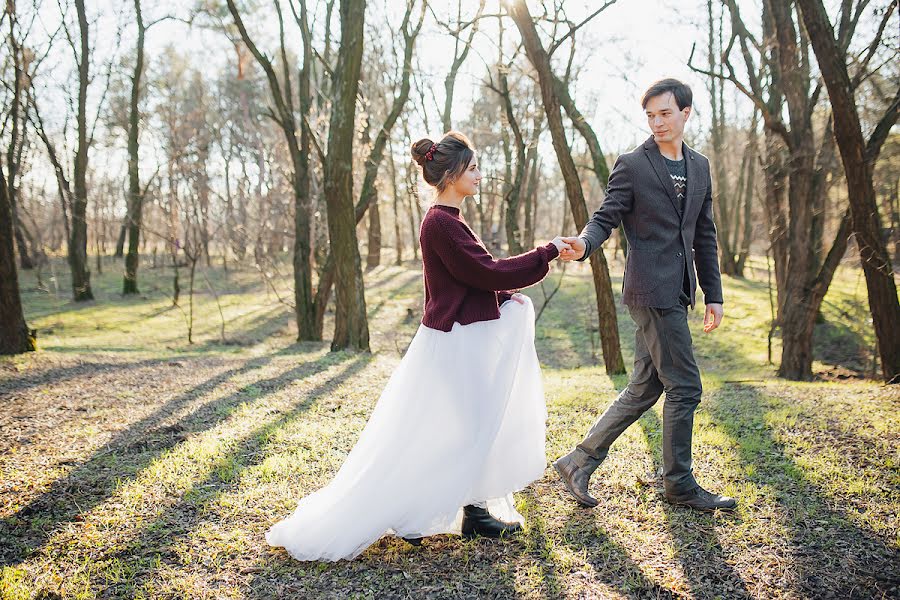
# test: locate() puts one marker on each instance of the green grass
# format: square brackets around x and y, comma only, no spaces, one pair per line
[136,465]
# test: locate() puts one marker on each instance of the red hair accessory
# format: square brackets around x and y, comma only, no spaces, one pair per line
[430,154]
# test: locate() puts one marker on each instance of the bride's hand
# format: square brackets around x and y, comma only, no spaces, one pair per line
[517,297]
[560,244]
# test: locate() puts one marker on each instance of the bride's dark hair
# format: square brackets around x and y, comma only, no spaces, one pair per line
[442,163]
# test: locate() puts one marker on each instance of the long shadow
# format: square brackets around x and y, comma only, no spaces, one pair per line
[156,542]
[830,556]
[583,532]
[20,383]
[131,450]
[261,327]
[697,544]
[400,289]
[837,344]
[387,280]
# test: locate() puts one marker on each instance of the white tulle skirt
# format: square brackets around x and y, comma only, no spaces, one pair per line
[460,421]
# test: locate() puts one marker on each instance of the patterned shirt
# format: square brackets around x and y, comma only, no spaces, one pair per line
[678,173]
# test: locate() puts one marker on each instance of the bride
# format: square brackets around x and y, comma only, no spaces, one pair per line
[460,424]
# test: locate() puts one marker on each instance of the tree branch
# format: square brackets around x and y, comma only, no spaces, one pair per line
[572,30]
[870,52]
[883,129]
[770,121]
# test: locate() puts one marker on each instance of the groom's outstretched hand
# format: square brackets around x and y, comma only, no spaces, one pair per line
[575,251]
[714,314]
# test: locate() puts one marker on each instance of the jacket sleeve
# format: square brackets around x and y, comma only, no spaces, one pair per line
[706,250]
[619,201]
[469,262]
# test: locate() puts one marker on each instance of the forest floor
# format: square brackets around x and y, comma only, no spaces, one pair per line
[136,465]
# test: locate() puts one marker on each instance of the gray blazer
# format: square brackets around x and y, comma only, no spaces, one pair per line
[642,198]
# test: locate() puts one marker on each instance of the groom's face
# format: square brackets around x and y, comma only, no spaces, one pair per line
[665,119]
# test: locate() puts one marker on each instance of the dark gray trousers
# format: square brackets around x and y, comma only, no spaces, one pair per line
[663,361]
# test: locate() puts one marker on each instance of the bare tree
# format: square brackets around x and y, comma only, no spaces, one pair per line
[460,53]
[732,196]
[858,156]
[515,170]
[17,137]
[15,336]
[81,275]
[798,165]
[134,213]
[612,352]
[410,32]
[304,303]
[351,327]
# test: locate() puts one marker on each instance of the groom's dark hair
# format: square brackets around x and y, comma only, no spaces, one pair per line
[681,91]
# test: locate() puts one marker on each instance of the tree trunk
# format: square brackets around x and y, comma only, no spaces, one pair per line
[606,306]
[858,158]
[512,197]
[612,352]
[16,141]
[459,57]
[530,195]
[305,308]
[373,258]
[15,337]
[747,191]
[800,315]
[412,200]
[21,235]
[398,238]
[135,201]
[351,328]
[121,239]
[81,275]
[367,191]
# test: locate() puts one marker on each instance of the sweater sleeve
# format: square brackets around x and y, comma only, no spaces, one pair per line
[469,262]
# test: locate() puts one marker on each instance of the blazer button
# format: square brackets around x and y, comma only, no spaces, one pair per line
[679,254]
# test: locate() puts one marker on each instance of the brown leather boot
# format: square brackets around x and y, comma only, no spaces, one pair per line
[576,479]
[700,499]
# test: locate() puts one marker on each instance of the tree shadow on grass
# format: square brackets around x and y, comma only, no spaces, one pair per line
[836,343]
[95,479]
[584,534]
[404,287]
[697,547]
[156,543]
[827,554]
[260,328]
[22,382]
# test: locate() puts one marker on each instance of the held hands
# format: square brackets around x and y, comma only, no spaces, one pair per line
[561,245]
[714,314]
[574,250]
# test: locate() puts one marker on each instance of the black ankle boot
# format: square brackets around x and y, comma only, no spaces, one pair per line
[478,521]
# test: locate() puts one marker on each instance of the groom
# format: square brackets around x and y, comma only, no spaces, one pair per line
[661,193]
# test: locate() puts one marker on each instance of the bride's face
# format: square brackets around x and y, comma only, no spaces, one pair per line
[467,183]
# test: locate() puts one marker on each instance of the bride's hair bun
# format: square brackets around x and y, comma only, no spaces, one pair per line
[444,162]
[420,150]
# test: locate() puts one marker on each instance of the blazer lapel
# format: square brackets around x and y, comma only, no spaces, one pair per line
[656,159]
[690,165]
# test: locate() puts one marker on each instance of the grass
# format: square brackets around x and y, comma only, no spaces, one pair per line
[136,465]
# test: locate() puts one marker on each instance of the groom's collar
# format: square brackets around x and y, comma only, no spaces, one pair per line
[651,145]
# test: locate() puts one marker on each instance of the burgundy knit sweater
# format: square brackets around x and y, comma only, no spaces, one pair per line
[463,282]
